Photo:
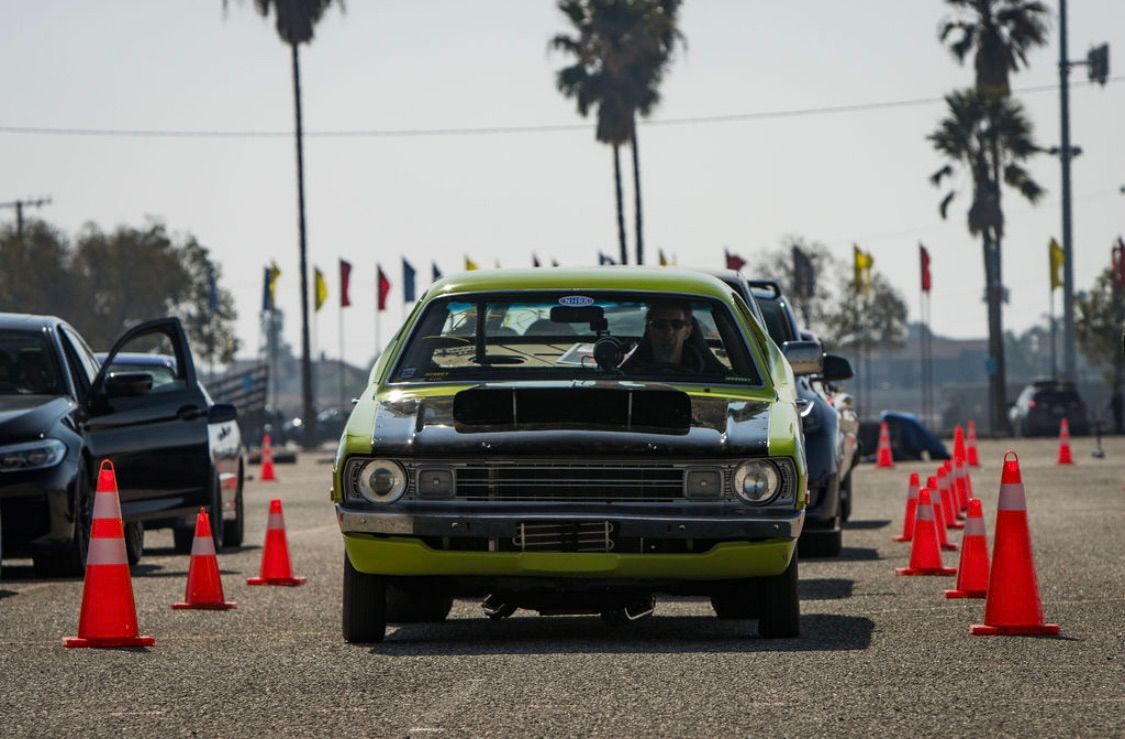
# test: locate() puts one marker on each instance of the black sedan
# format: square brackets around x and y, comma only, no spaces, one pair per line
[61,412]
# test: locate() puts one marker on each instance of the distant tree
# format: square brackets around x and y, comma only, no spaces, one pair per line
[123,278]
[621,49]
[295,21]
[210,330]
[864,322]
[998,33]
[34,272]
[990,138]
[1101,317]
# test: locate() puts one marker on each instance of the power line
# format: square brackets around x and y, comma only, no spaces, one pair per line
[490,130]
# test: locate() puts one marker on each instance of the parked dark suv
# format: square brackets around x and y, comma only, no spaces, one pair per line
[1042,406]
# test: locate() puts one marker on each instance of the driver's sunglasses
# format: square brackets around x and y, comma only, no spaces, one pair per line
[660,324]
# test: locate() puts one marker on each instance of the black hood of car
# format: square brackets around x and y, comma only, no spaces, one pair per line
[575,419]
[25,417]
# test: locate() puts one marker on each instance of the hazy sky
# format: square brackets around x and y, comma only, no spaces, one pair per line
[399,65]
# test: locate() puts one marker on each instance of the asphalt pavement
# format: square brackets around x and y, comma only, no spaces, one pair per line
[878,654]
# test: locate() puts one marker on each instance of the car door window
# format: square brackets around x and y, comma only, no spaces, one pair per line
[83,366]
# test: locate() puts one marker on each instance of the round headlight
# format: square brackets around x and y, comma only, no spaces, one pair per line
[756,481]
[382,481]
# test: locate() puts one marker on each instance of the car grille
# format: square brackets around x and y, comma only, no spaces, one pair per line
[583,482]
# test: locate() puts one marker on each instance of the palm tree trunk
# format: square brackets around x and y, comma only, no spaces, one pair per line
[996,324]
[639,236]
[620,205]
[307,413]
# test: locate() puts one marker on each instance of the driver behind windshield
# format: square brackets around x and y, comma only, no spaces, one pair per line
[669,341]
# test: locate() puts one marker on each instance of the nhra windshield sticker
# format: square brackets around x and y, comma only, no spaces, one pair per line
[576,301]
[407,373]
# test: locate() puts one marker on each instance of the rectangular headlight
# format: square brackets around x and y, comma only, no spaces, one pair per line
[435,483]
[703,483]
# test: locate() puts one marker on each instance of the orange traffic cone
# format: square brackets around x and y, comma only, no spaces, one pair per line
[1064,444]
[958,443]
[925,556]
[972,572]
[973,458]
[1012,606]
[911,505]
[948,501]
[960,488]
[109,615]
[885,457]
[939,514]
[276,569]
[267,461]
[204,586]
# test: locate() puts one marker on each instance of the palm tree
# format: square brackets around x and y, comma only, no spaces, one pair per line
[295,20]
[621,49]
[990,137]
[1000,32]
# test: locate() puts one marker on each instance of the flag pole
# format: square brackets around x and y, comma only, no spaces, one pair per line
[341,404]
[1054,350]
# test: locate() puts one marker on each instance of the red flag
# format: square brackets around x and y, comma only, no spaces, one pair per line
[734,261]
[925,256]
[384,286]
[345,275]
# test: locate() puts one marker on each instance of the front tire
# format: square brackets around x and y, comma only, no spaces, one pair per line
[780,616]
[820,543]
[69,559]
[134,542]
[364,616]
[736,600]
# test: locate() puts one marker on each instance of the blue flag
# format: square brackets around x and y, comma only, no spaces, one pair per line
[213,296]
[435,271]
[267,296]
[407,282]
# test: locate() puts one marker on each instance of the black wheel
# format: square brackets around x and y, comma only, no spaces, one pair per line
[780,616]
[820,543]
[734,600]
[215,511]
[69,560]
[364,617]
[416,605]
[134,542]
[233,530]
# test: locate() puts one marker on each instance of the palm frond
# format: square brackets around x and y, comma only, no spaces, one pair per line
[937,177]
[943,207]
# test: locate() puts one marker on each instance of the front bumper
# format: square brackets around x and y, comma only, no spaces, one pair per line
[506,523]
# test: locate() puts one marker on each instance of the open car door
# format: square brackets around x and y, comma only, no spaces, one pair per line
[154,432]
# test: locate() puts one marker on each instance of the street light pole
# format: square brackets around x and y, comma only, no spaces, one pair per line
[1069,365]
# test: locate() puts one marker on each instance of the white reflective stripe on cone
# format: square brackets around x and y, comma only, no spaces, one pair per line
[107,505]
[277,521]
[913,494]
[107,551]
[202,545]
[1011,498]
[925,512]
[974,527]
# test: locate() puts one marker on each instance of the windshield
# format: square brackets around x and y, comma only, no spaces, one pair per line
[552,336]
[28,365]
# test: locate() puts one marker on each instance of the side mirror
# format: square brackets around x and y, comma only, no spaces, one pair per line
[805,357]
[221,413]
[836,368]
[127,384]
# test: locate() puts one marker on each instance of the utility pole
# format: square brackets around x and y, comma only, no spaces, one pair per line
[1098,62]
[19,205]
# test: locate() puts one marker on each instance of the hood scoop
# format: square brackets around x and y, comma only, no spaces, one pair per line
[649,410]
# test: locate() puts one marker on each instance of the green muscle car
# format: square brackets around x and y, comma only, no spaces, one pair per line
[574,441]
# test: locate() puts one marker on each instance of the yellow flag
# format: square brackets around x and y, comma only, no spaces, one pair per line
[275,272]
[321,287]
[470,265]
[663,259]
[1056,259]
[861,270]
